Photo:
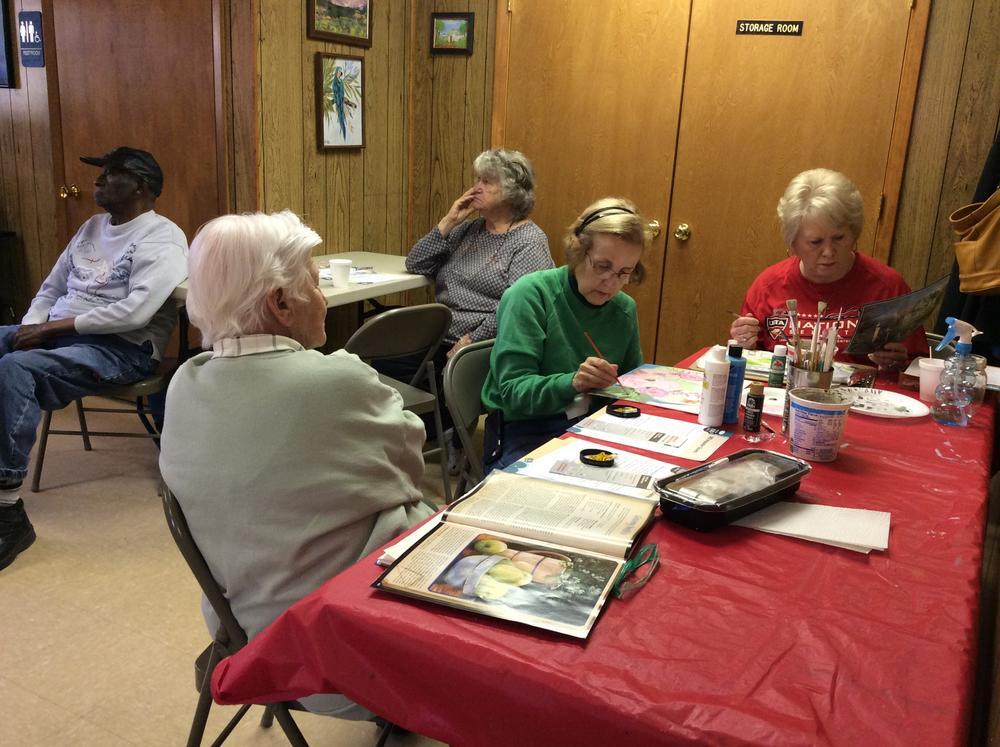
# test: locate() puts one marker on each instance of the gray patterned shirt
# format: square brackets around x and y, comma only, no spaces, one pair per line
[473,267]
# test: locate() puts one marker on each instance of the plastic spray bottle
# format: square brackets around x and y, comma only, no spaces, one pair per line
[958,378]
[713,389]
[734,387]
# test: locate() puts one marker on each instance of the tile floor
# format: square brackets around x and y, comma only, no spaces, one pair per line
[100,617]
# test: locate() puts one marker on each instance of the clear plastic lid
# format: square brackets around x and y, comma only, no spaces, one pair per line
[733,481]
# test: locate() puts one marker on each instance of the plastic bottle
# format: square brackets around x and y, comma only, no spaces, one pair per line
[958,378]
[734,387]
[776,376]
[713,388]
[754,408]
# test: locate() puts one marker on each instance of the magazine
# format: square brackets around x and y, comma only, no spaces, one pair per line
[532,551]
[894,319]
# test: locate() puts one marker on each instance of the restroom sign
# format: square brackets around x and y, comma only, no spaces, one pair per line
[769,28]
[29,31]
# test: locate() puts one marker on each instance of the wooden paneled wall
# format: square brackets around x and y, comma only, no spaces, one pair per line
[27,188]
[955,122]
[426,117]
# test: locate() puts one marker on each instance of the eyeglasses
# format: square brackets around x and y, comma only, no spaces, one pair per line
[605,270]
[637,571]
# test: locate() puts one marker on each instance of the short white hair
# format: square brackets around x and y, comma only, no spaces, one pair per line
[824,194]
[236,260]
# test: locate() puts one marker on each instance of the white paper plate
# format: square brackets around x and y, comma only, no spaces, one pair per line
[774,400]
[885,404]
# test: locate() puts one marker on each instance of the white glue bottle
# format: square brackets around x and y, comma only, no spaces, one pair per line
[713,388]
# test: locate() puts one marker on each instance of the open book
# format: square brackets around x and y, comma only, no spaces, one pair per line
[532,551]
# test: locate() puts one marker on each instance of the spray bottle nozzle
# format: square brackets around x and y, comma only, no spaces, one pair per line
[963,331]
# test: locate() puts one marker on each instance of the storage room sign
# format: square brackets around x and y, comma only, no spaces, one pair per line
[769,28]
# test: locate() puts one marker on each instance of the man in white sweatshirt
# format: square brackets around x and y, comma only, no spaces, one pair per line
[101,318]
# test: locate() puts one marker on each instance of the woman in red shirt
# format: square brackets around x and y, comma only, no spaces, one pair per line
[821,216]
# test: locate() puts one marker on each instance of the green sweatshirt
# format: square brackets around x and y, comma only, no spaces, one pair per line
[540,344]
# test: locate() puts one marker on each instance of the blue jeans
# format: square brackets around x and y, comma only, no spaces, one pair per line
[67,368]
[505,442]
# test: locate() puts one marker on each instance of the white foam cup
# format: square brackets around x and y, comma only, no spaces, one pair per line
[340,272]
[930,376]
[816,421]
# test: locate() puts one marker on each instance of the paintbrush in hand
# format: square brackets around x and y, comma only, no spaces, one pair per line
[601,356]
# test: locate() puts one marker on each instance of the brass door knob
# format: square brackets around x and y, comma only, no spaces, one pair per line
[682,232]
[654,228]
[74,191]
[71,191]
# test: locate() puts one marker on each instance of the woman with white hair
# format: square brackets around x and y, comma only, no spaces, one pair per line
[473,262]
[821,216]
[289,465]
[543,365]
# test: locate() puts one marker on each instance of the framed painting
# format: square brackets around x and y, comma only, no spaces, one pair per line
[340,101]
[452,33]
[344,21]
[6,47]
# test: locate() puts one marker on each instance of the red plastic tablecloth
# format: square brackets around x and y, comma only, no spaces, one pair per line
[741,637]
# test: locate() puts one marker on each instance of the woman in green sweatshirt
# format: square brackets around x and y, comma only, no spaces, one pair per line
[543,366]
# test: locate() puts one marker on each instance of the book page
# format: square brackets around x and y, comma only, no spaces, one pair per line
[553,512]
[499,575]
[559,461]
[676,438]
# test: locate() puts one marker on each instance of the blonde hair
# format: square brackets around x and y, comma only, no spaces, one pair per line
[235,260]
[617,216]
[824,194]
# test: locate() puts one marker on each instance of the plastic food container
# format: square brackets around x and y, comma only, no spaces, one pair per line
[727,489]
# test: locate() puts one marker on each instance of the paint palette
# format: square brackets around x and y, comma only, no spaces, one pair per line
[885,404]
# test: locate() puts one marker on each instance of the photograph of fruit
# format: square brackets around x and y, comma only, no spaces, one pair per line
[557,586]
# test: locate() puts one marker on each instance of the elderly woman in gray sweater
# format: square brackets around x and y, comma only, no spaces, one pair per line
[289,465]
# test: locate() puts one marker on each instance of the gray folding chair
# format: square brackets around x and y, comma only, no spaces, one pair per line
[463,385]
[410,331]
[229,638]
[137,392]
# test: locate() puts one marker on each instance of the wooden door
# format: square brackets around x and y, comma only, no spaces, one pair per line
[143,75]
[757,110]
[664,103]
[591,94]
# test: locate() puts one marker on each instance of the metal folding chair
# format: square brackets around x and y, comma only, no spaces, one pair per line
[229,638]
[137,392]
[410,332]
[463,385]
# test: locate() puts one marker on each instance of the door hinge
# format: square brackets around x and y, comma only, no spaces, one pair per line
[881,206]
[913,4]
[510,5]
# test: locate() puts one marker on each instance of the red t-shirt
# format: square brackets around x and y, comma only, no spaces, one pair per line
[867,281]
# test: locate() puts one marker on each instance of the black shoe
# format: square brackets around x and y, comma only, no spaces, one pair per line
[16,532]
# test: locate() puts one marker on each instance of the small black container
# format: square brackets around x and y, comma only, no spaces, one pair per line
[710,496]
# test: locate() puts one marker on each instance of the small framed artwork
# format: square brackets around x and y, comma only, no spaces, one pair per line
[344,21]
[451,33]
[340,101]
[6,47]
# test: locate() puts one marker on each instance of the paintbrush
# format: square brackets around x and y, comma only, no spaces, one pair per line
[793,314]
[601,356]
[820,308]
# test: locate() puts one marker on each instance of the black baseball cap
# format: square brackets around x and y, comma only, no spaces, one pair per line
[138,162]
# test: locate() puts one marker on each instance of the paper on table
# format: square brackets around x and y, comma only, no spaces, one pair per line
[654,433]
[558,461]
[855,529]
[361,277]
